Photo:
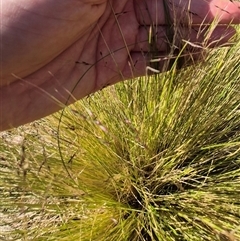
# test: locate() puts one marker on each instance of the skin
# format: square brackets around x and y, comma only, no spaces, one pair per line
[56,52]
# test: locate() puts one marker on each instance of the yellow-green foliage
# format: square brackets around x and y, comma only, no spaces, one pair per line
[156,158]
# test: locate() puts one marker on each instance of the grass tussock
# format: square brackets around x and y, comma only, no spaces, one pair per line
[152,159]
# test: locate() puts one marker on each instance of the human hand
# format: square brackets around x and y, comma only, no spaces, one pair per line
[60,51]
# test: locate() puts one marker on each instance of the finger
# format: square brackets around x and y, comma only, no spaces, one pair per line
[194,11]
[147,41]
[225,11]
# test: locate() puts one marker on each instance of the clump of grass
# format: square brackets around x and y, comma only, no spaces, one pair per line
[160,156]
[151,159]
[157,158]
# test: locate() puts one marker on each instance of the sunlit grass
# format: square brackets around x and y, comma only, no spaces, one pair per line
[151,159]
[156,158]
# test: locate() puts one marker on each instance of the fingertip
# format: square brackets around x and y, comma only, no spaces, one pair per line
[226,11]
